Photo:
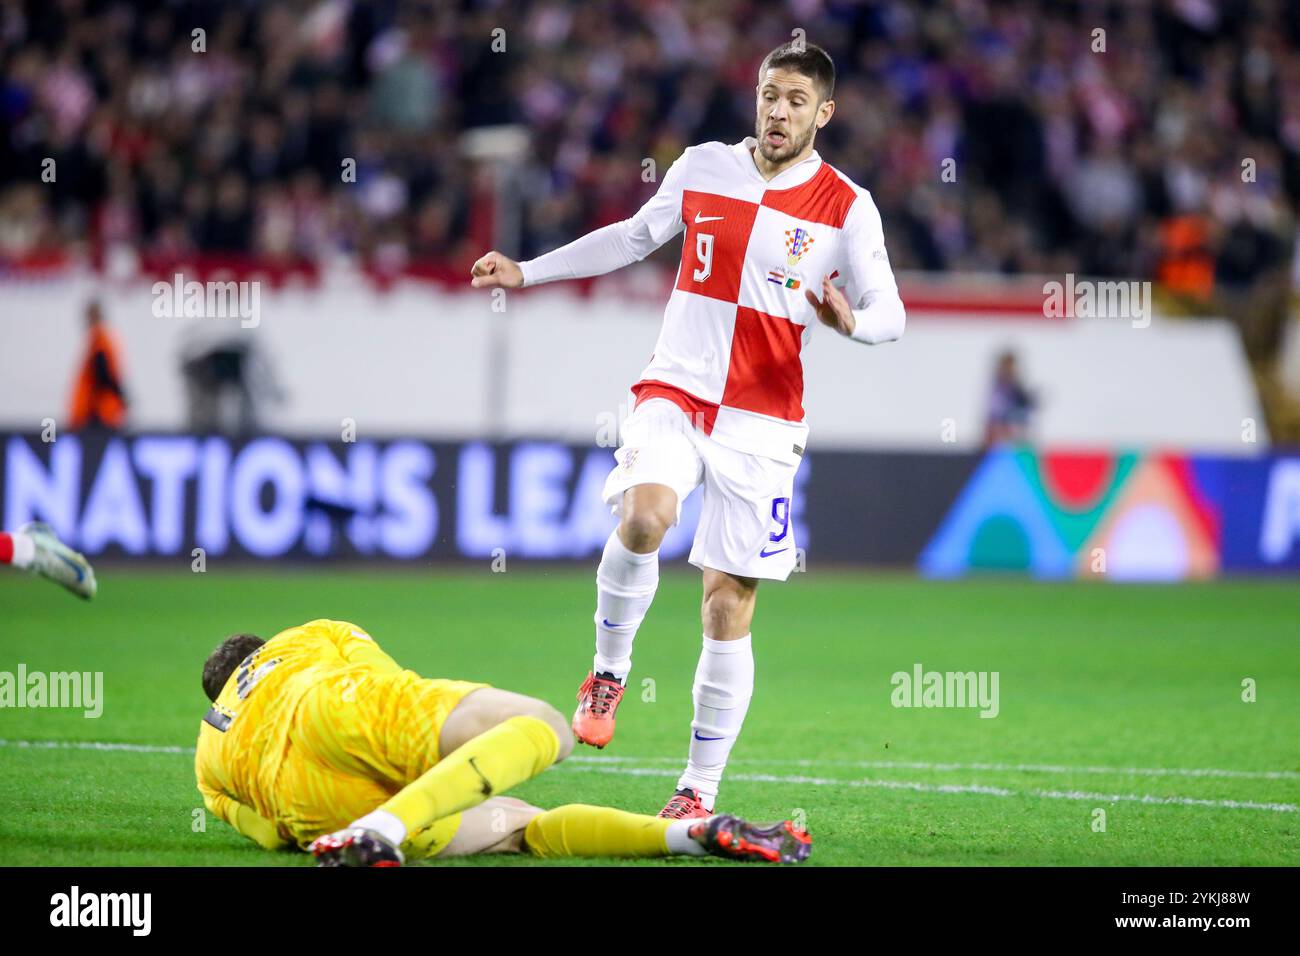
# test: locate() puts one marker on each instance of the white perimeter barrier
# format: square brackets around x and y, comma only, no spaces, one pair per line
[423,361]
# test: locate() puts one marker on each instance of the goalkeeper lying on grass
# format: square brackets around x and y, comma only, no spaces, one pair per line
[317,738]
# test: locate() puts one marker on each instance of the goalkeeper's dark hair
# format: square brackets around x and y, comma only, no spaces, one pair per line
[806,58]
[221,663]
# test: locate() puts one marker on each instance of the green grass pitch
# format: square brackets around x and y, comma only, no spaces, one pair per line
[1126,699]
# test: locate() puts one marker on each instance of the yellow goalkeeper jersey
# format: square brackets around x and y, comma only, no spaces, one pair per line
[244,735]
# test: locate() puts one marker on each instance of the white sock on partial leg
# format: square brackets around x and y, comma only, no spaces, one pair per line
[386,824]
[724,683]
[625,585]
[24,549]
[679,840]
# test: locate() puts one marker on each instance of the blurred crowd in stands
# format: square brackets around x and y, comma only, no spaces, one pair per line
[1151,139]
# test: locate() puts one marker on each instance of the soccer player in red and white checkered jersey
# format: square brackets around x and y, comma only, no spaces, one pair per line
[774,238]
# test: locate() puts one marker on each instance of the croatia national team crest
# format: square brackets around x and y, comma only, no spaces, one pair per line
[797,244]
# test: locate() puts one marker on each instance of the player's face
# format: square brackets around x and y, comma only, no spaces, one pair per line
[789,115]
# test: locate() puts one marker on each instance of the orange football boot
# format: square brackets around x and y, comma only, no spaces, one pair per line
[735,839]
[685,804]
[598,699]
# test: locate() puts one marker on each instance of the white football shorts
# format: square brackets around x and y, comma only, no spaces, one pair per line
[745,527]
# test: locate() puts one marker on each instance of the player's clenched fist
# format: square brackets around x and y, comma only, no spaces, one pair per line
[495,269]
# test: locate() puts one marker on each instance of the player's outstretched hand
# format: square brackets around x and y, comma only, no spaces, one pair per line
[494,269]
[833,308]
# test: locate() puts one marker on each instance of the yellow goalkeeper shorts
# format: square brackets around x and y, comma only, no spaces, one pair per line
[356,740]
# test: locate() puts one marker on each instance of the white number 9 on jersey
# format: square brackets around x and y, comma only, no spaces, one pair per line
[704,251]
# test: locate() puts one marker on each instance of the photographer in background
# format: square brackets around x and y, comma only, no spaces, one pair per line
[1010,405]
[98,399]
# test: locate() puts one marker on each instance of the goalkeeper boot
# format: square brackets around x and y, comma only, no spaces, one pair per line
[735,839]
[598,700]
[59,563]
[685,804]
[355,846]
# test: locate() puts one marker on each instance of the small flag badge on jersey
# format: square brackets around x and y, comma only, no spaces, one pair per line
[783,280]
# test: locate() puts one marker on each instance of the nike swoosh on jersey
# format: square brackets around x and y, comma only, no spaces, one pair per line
[767,554]
[700,217]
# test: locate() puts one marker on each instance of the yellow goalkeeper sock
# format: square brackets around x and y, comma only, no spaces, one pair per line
[580,830]
[505,756]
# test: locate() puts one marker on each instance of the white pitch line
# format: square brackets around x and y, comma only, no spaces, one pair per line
[94,745]
[812,781]
[613,764]
[1180,801]
[947,788]
[995,767]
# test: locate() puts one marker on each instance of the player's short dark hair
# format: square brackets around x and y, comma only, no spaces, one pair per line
[806,58]
[221,663]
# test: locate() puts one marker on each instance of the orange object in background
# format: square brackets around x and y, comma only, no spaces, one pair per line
[97,396]
[1186,266]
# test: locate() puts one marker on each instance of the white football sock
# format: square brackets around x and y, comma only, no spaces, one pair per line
[24,549]
[678,838]
[387,825]
[724,682]
[625,586]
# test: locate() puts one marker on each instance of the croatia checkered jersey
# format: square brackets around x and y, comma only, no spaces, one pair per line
[730,350]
